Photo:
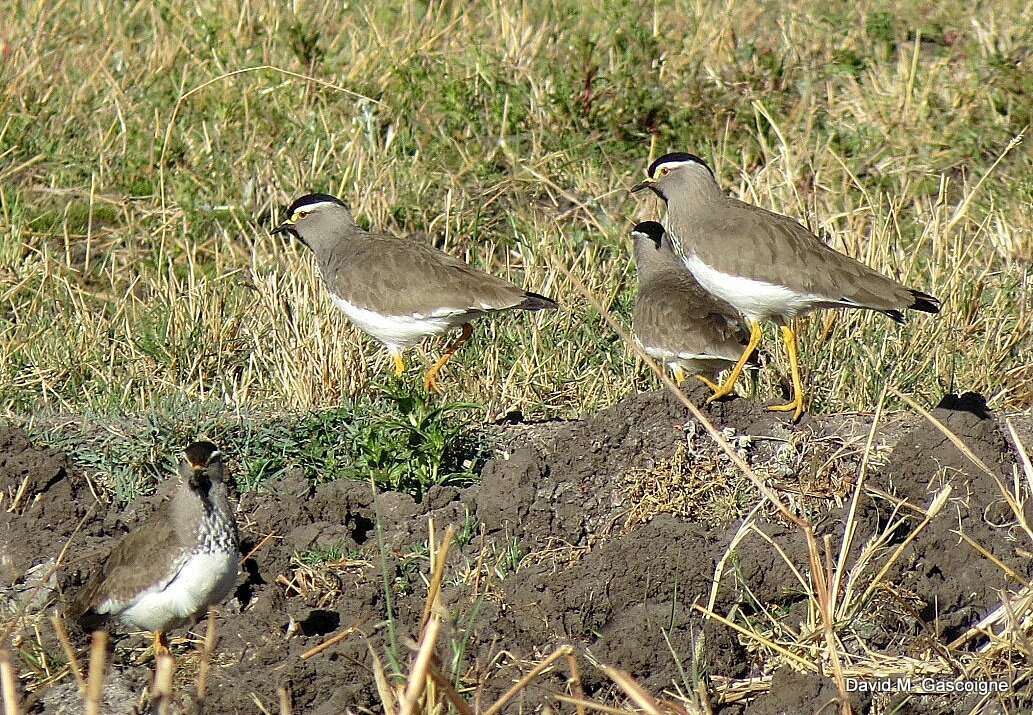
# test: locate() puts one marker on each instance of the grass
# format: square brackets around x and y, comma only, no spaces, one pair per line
[508,137]
[397,438]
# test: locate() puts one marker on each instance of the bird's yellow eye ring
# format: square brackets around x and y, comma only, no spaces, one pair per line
[664,171]
[298,215]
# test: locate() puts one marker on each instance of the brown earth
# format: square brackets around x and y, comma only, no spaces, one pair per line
[556,547]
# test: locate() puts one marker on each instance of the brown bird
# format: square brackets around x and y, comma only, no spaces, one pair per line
[182,559]
[675,320]
[399,291]
[766,265]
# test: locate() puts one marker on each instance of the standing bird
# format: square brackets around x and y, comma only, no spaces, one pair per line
[182,559]
[675,320]
[399,291]
[766,265]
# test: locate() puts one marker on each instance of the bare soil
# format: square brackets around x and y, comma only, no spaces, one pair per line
[557,548]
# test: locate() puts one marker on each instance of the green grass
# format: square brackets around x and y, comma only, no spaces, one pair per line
[508,137]
[396,437]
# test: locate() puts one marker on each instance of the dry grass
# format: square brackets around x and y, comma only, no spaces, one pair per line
[134,257]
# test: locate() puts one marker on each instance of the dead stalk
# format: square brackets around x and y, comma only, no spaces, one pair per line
[7,684]
[285,701]
[635,691]
[335,638]
[560,652]
[66,646]
[450,692]
[206,656]
[575,683]
[95,677]
[164,669]
[582,704]
[418,675]
[440,557]
[934,508]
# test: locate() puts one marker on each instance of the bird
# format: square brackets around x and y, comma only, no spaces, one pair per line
[398,290]
[675,321]
[182,559]
[766,265]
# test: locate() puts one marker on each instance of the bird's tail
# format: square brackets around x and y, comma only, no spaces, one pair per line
[924,302]
[536,301]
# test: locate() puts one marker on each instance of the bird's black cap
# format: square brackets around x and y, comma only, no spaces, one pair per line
[200,454]
[679,156]
[651,230]
[309,199]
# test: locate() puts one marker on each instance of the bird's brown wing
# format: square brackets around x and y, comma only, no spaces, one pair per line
[145,558]
[674,313]
[402,277]
[745,240]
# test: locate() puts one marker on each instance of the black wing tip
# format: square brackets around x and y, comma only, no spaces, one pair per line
[925,302]
[537,301]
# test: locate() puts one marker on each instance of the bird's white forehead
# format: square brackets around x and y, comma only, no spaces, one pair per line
[677,164]
[314,206]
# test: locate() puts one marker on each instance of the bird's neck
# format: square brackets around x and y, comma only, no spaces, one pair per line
[650,261]
[697,196]
[204,514]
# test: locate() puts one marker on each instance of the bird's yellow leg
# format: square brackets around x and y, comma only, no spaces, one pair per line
[708,383]
[728,386]
[796,406]
[679,374]
[161,644]
[399,363]
[430,379]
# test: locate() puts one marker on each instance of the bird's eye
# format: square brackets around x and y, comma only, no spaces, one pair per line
[301,214]
[664,171]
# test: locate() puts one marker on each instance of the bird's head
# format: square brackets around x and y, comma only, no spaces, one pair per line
[201,466]
[651,243]
[317,220]
[673,172]
[649,234]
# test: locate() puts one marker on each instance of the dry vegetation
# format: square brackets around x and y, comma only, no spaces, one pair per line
[140,177]
[146,149]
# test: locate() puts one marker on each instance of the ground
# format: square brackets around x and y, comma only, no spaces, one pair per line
[554,547]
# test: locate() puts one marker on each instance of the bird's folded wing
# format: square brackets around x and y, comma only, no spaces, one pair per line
[146,559]
[765,246]
[402,277]
[673,315]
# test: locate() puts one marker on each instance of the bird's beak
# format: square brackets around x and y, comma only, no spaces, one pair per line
[285,227]
[651,185]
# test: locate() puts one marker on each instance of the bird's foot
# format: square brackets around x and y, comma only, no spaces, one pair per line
[399,364]
[720,392]
[713,388]
[430,381]
[796,407]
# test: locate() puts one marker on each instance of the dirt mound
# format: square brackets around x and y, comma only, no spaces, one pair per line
[580,535]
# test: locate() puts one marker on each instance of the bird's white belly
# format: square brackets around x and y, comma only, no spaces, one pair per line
[690,362]
[399,331]
[204,580]
[754,299]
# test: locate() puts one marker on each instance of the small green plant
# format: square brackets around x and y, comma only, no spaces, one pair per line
[330,553]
